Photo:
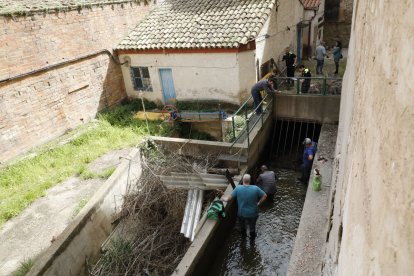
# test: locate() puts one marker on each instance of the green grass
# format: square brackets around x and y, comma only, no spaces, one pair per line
[24,268]
[24,181]
[86,174]
[79,207]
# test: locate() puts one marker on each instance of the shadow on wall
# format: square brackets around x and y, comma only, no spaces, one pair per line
[40,107]
[113,89]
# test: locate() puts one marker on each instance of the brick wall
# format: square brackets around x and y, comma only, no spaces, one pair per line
[40,107]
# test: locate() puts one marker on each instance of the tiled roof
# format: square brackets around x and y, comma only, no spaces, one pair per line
[311,4]
[198,24]
[23,7]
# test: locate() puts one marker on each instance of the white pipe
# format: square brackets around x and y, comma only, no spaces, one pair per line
[197,213]
[191,215]
[186,211]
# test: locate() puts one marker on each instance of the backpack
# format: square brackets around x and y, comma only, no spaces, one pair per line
[216,210]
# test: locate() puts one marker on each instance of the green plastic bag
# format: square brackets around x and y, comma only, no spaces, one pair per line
[216,210]
[316,183]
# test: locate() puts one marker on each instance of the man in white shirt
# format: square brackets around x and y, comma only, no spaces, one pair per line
[320,55]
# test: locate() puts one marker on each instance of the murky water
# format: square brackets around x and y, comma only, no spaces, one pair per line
[276,228]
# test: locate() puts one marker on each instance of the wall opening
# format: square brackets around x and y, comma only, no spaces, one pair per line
[287,137]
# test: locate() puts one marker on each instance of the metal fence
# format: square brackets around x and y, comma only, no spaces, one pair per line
[246,118]
[317,85]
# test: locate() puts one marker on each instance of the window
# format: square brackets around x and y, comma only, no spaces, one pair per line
[141,78]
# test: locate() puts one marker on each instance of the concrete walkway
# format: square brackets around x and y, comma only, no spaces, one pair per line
[309,249]
[28,234]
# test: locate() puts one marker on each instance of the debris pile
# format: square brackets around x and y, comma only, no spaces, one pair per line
[148,240]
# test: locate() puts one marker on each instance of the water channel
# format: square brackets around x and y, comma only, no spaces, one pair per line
[277,225]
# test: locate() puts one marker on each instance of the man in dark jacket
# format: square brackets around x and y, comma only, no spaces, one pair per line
[266,85]
[305,73]
[308,156]
[290,59]
[267,182]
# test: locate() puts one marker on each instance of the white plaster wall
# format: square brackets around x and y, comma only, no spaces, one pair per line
[374,197]
[204,76]
[247,73]
[288,14]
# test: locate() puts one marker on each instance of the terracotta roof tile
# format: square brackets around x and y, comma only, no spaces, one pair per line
[25,7]
[199,24]
[311,4]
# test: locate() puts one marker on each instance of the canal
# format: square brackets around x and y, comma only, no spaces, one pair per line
[277,225]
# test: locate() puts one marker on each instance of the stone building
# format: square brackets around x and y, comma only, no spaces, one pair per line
[206,49]
[57,70]
[372,210]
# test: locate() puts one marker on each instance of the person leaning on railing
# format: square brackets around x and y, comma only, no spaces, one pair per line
[305,73]
[267,86]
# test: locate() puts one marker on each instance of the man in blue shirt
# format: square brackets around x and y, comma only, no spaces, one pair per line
[249,197]
[308,155]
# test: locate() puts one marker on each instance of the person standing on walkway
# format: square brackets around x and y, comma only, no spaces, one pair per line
[290,59]
[266,85]
[308,156]
[337,55]
[305,73]
[267,182]
[248,197]
[320,58]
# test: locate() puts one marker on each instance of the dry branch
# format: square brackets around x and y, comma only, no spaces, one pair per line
[150,241]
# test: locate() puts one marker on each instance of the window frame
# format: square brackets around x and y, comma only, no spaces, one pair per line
[146,85]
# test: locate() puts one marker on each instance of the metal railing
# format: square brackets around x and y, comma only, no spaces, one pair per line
[250,118]
[317,85]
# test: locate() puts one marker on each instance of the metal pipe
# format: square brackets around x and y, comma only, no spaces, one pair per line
[307,126]
[59,64]
[273,139]
[280,134]
[248,133]
[313,131]
[284,144]
[234,130]
[299,137]
[191,214]
[242,106]
[186,210]
[293,136]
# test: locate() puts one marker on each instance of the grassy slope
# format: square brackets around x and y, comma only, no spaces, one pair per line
[27,180]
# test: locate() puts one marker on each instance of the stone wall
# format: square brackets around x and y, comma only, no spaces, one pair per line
[340,28]
[372,209]
[39,107]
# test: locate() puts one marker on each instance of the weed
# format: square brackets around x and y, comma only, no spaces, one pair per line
[80,206]
[106,173]
[24,267]
[26,180]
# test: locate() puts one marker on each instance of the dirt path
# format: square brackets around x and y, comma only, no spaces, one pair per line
[28,234]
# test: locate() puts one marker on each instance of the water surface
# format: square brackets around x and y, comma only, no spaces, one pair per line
[277,225]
